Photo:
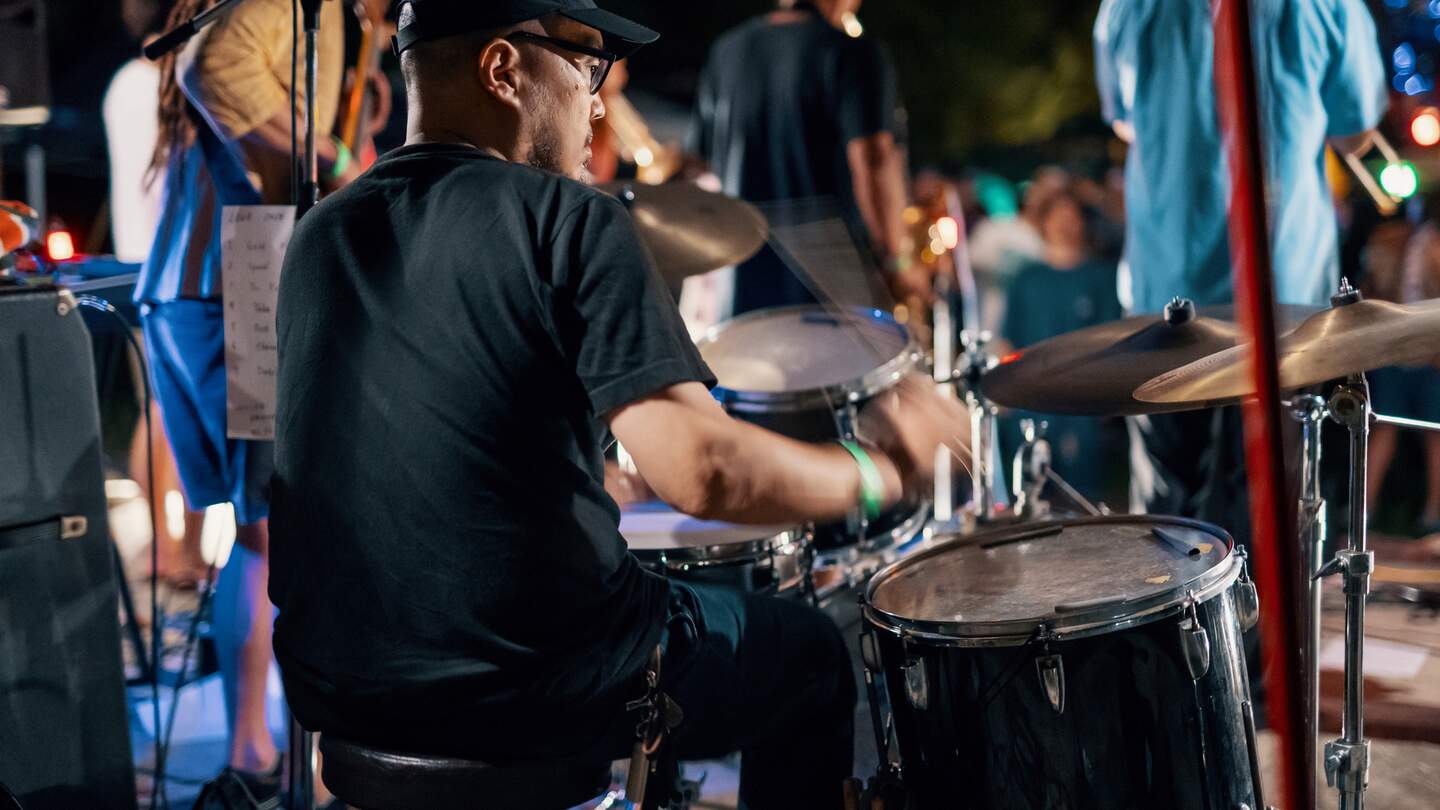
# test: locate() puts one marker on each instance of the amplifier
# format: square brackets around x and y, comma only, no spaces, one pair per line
[64,739]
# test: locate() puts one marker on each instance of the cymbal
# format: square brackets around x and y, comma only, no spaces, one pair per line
[1334,342]
[1095,371]
[689,230]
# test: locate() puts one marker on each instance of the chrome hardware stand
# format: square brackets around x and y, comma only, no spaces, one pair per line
[1310,412]
[944,373]
[1347,759]
[984,426]
[1030,470]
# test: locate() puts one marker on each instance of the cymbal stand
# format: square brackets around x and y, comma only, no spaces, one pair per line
[1310,411]
[1030,470]
[984,426]
[943,363]
[1347,759]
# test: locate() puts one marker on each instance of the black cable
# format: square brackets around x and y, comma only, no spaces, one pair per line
[156,646]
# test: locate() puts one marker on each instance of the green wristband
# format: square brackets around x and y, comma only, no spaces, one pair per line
[872,484]
[343,156]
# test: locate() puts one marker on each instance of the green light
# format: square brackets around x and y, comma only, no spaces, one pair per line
[1400,180]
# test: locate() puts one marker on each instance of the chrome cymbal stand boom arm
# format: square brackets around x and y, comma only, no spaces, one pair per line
[1347,759]
[1310,411]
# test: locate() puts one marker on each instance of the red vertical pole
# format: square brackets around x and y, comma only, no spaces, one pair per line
[1274,544]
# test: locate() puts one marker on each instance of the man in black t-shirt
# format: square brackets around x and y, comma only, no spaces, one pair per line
[461,329]
[790,107]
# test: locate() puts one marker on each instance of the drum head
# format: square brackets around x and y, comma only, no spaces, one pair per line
[801,348]
[657,527]
[1064,574]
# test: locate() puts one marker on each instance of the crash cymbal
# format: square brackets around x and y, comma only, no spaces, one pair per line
[689,230]
[1094,371]
[1336,342]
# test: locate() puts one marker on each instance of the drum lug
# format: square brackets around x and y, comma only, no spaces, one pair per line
[1051,670]
[917,684]
[1247,599]
[1194,640]
[869,656]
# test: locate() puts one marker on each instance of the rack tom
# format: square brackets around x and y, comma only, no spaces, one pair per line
[1089,663]
[805,372]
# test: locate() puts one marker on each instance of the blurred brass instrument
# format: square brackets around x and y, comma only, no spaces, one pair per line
[1384,203]
[654,163]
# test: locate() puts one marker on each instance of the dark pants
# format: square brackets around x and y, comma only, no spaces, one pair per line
[768,677]
[1192,465]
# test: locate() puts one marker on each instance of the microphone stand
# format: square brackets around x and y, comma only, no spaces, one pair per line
[182,33]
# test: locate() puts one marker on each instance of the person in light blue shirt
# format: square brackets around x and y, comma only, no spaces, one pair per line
[1320,78]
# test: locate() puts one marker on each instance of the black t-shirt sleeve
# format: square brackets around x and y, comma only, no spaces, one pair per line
[867,91]
[618,323]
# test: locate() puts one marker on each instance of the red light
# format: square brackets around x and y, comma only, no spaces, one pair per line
[1011,357]
[1425,127]
[60,246]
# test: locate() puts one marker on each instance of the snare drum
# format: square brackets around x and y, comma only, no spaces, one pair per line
[765,559]
[1091,663]
[805,372]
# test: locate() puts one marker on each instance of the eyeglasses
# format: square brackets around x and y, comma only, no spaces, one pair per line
[598,71]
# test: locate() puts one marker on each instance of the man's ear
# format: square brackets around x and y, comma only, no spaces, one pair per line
[500,73]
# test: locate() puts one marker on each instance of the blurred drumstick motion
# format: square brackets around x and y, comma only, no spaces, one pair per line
[827,294]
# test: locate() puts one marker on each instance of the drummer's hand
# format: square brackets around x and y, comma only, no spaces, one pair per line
[626,487]
[910,422]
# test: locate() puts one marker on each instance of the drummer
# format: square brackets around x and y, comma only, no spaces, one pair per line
[460,333]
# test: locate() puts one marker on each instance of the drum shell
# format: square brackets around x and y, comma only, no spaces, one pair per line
[770,565]
[1135,731]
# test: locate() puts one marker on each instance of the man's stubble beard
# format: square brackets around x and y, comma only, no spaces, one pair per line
[546,153]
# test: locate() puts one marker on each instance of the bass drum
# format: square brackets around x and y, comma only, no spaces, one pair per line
[805,372]
[1089,663]
[761,559]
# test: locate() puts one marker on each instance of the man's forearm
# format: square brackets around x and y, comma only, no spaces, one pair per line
[758,476]
[879,187]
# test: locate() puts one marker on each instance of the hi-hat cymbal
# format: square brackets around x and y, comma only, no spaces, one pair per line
[1335,342]
[689,230]
[1095,371]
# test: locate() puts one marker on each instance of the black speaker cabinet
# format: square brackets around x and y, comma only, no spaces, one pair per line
[24,54]
[64,741]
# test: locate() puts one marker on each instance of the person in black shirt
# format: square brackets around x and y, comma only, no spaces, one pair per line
[461,330]
[790,107]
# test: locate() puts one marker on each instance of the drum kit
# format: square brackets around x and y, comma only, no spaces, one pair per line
[1016,658]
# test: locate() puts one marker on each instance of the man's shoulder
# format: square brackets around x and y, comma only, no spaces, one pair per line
[458,181]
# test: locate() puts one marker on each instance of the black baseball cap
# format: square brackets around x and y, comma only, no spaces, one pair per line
[435,19]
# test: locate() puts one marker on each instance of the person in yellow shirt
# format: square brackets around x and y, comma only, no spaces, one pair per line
[225,139]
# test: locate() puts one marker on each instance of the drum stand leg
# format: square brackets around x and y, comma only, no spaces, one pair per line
[1347,759]
[1310,412]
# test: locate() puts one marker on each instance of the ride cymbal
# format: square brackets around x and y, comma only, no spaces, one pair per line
[1095,371]
[1345,339]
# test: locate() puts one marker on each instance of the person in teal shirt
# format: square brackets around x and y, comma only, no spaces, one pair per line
[1065,290]
[1321,78]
